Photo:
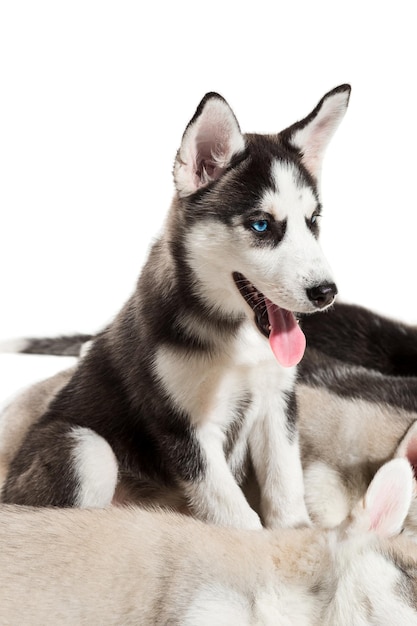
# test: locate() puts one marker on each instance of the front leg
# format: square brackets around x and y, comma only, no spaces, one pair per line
[215,496]
[274,448]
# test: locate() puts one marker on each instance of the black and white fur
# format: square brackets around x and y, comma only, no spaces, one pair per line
[183,384]
[356,396]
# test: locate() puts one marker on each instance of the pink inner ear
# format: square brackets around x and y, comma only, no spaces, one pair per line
[208,144]
[385,506]
[388,498]
[380,507]
[209,160]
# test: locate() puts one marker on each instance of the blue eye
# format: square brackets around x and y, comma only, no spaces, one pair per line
[260,226]
[314,218]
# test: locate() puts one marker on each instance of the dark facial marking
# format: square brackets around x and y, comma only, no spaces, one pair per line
[314,221]
[273,232]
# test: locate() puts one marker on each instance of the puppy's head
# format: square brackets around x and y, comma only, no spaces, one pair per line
[247,213]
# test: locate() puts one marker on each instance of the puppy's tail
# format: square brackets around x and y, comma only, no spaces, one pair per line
[67,345]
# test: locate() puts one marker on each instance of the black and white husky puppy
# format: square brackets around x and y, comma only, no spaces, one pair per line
[198,369]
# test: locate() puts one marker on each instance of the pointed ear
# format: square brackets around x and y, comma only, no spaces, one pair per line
[210,140]
[407,448]
[311,136]
[388,498]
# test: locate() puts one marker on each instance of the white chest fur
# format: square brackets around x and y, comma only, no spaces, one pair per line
[242,384]
[209,388]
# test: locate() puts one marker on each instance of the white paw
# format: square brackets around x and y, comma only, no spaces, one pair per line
[295,518]
[251,521]
[246,520]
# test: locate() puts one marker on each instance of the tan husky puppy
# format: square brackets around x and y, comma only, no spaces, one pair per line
[129,566]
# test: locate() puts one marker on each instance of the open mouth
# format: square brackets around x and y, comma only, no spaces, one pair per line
[279,325]
[256,301]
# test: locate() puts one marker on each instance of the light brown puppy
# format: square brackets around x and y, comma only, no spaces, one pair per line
[129,566]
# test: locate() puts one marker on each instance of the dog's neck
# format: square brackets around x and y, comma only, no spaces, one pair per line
[173,287]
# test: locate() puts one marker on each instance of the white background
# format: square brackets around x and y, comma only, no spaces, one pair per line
[94,100]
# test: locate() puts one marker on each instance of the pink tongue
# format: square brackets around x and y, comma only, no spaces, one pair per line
[286,338]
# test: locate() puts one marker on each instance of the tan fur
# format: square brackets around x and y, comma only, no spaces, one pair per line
[21,413]
[343,443]
[348,431]
[129,566]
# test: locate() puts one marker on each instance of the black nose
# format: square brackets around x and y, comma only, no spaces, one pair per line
[322,295]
